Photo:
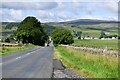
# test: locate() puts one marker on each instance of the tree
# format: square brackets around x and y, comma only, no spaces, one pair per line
[62,37]
[118,37]
[74,34]
[31,31]
[7,40]
[102,35]
[79,33]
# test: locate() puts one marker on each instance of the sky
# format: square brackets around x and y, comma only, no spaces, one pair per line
[59,11]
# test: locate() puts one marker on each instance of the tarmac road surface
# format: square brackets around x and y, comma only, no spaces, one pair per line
[34,63]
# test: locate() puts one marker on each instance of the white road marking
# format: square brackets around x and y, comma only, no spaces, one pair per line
[19,57]
[28,53]
[0,64]
[22,56]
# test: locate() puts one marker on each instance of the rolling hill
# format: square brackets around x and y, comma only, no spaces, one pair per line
[87,26]
[89,22]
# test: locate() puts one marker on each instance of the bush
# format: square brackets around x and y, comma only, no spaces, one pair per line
[7,40]
[62,37]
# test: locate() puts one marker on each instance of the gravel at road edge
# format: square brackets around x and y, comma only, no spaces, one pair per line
[59,71]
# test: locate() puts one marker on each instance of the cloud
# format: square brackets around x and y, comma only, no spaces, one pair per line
[29,5]
[112,6]
[1,13]
[99,17]
[44,14]
[60,11]
[13,15]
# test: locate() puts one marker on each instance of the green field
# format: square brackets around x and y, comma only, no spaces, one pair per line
[90,30]
[109,44]
[10,50]
[88,65]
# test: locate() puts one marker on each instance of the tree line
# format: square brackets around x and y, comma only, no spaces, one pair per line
[31,31]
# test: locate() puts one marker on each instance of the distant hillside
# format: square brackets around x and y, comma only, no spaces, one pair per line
[87,26]
[88,22]
[12,25]
[9,27]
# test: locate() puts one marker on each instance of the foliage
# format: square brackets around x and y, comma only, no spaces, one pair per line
[7,40]
[77,34]
[87,29]
[31,31]
[119,37]
[102,35]
[88,65]
[110,36]
[10,50]
[62,37]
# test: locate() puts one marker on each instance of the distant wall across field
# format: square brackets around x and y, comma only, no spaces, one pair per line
[8,44]
[95,50]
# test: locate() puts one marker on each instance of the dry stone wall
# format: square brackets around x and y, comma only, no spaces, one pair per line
[95,50]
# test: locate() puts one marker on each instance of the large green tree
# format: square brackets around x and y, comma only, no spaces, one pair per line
[62,37]
[31,31]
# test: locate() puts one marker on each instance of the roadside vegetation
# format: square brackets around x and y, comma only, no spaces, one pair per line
[31,31]
[60,36]
[28,33]
[9,50]
[108,44]
[88,65]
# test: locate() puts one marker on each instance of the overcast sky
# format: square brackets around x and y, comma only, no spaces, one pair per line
[59,11]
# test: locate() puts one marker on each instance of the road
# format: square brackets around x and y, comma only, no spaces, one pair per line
[34,63]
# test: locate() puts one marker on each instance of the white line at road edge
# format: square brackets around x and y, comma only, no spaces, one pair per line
[21,56]
[0,64]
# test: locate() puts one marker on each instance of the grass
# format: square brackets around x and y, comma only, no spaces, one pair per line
[10,50]
[88,65]
[90,30]
[109,44]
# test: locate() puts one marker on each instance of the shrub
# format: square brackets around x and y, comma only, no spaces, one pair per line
[62,37]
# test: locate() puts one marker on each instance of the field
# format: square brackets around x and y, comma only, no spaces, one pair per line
[10,50]
[88,27]
[109,44]
[92,30]
[88,65]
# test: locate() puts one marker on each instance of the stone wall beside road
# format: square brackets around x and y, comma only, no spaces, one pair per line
[95,50]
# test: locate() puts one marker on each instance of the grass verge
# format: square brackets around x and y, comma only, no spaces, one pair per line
[88,65]
[10,50]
